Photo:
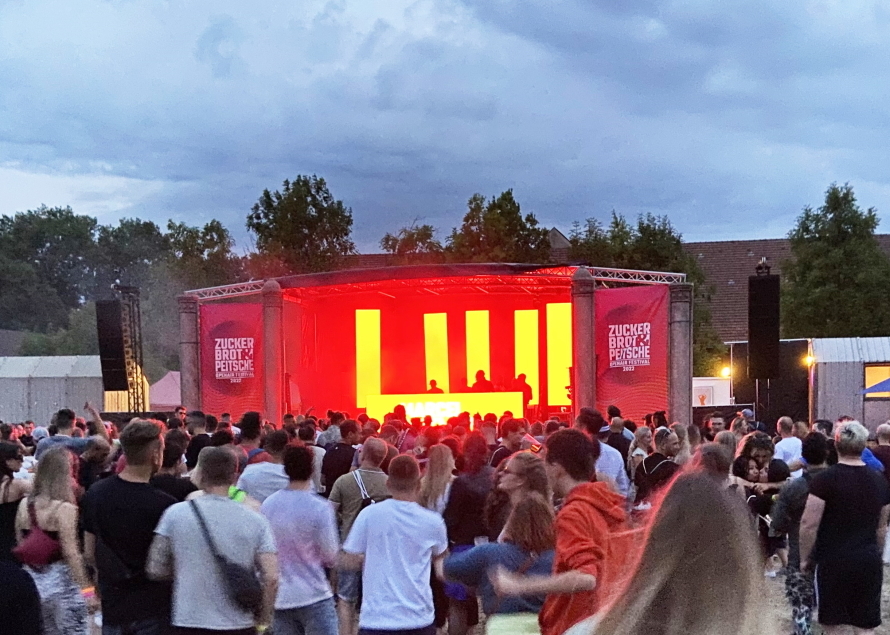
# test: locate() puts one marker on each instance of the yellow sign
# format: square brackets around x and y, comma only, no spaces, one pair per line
[443,406]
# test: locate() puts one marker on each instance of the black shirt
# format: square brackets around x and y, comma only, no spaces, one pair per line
[198,443]
[854,496]
[336,463]
[177,486]
[19,602]
[123,515]
[621,443]
[503,452]
[463,513]
[654,472]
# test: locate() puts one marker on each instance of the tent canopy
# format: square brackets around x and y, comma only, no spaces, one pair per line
[166,394]
[882,386]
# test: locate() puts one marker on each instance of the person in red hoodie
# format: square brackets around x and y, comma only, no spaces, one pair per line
[590,513]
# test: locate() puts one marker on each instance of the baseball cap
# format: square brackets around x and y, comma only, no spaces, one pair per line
[747,413]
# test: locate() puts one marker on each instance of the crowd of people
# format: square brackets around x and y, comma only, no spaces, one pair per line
[190,524]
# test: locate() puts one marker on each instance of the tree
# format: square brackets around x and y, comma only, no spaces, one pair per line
[78,339]
[496,231]
[653,245]
[303,225]
[202,256]
[413,244]
[838,280]
[27,302]
[60,246]
[127,253]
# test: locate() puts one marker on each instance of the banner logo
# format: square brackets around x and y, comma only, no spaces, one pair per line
[233,358]
[629,345]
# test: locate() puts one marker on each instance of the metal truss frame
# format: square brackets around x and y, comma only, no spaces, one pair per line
[551,278]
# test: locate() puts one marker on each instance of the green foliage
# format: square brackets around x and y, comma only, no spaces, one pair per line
[27,302]
[126,253]
[413,245]
[202,256]
[838,281]
[496,231]
[58,244]
[302,226]
[654,245]
[78,339]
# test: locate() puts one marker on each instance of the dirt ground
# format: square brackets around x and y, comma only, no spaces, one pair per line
[782,612]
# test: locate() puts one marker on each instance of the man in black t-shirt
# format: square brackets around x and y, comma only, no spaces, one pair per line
[197,426]
[616,438]
[120,514]
[512,431]
[169,478]
[338,459]
[658,468]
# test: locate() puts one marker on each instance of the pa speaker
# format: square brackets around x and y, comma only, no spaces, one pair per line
[111,345]
[763,327]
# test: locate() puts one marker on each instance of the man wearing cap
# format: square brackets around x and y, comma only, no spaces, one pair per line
[753,426]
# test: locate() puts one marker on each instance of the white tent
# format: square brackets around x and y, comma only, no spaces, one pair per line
[36,387]
[165,395]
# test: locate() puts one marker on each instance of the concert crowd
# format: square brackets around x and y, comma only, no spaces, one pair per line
[190,524]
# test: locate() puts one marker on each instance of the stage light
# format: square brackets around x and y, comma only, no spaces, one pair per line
[726,372]
[809,360]
[478,347]
[526,349]
[367,355]
[559,352]
[435,339]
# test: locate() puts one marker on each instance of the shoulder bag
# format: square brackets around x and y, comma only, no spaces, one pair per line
[244,587]
[38,549]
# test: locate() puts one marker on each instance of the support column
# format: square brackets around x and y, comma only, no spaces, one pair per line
[273,352]
[189,353]
[680,370]
[583,341]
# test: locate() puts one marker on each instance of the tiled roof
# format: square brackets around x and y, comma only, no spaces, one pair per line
[727,265]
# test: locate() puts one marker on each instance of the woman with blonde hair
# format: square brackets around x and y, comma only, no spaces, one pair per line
[672,588]
[64,588]
[728,440]
[435,485]
[685,453]
[640,448]
[523,474]
[527,548]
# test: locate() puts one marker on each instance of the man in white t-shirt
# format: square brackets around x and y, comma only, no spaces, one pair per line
[398,542]
[263,479]
[790,447]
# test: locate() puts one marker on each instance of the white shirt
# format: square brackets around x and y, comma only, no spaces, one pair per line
[789,450]
[611,463]
[317,459]
[399,540]
[261,480]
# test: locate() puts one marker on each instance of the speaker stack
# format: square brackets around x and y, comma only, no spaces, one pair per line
[763,326]
[109,326]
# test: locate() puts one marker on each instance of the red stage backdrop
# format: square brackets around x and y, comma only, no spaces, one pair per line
[231,358]
[632,349]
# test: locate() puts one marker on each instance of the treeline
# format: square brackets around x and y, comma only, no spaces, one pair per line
[55,263]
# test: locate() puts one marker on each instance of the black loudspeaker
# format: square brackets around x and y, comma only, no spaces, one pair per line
[111,345]
[763,327]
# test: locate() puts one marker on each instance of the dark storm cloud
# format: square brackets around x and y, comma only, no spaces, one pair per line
[728,117]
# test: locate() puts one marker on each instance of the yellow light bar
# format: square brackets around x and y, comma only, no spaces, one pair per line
[526,349]
[441,407]
[435,342]
[559,352]
[478,354]
[367,355]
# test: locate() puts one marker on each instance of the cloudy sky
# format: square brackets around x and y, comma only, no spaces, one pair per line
[727,116]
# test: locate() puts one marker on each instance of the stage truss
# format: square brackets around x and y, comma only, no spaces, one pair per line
[533,282]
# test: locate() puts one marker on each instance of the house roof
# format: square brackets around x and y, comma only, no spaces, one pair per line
[727,266]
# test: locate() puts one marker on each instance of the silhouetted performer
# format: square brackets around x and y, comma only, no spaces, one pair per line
[434,388]
[482,384]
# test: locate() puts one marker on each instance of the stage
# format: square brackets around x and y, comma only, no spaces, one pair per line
[366,340]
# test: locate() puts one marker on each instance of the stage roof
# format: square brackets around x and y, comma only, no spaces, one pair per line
[439,278]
